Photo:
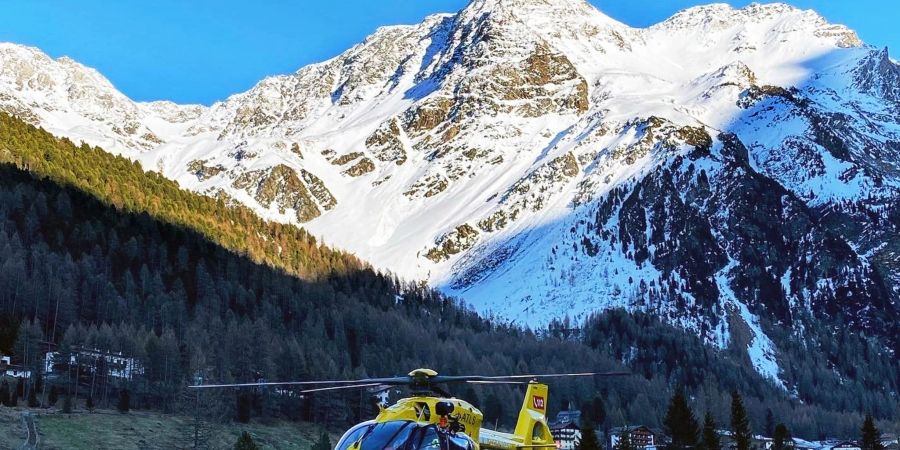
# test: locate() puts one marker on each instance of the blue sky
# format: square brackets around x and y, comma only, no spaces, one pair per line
[201,51]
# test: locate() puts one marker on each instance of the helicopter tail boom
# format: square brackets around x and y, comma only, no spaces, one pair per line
[531,431]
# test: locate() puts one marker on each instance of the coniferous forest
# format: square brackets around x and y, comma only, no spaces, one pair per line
[97,253]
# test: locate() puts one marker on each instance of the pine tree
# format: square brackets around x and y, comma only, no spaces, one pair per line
[245,442]
[244,404]
[594,410]
[770,423]
[4,393]
[710,438]
[89,403]
[14,395]
[740,423]
[324,443]
[680,423]
[781,438]
[588,439]
[871,437]
[472,397]
[124,404]
[493,410]
[67,404]
[52,396]
[32,398]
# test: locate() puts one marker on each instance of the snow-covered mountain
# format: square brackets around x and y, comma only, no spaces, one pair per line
[729,169]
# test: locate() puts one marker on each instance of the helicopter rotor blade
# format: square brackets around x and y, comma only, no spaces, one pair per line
[560,375]
[387,381]
[466,378]
[494,382]
[411,381]
[335,388]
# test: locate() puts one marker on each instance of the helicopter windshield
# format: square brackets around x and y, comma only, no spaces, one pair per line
[352,435]
[398,435]
[392,435]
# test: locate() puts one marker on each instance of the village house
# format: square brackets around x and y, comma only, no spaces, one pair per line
[843,445]
[641,436]
[117,365]
[12,370]
[565,429]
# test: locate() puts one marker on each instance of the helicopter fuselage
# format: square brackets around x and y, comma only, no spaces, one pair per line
[437,423]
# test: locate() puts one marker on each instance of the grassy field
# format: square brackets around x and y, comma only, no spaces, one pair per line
[143,430]
[12,434]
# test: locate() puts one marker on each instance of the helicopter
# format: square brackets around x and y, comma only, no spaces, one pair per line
[432,419]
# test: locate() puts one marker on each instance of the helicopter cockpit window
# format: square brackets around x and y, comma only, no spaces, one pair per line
[352,435]
[399,441]
[391,435]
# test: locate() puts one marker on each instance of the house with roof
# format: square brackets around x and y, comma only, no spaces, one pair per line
[12,370]
[565,429]
[641,436]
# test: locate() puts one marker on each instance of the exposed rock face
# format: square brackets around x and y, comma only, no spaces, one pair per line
[361,167]
[204,172]
[879,76]
[460,239]
[385,143]
[318,189]
[279,187]
[346,158]
[428,187]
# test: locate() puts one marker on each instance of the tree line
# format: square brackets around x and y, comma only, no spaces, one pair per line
[683,431]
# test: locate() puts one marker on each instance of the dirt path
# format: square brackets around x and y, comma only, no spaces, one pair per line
[31,440]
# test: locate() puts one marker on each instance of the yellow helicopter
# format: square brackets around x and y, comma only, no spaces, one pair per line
[432,419]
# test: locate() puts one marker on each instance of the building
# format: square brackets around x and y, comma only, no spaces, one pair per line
[845,445]
[566,435]
[12,370]
[800,444]
[565,429]
[117,365]
[641,436]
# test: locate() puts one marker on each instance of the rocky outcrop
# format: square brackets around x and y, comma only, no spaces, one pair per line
[878,75]
[346,158]
[360,168]
[385,143]
[203,171]
[428,186]
[318,189]
[281,188]
[460,239]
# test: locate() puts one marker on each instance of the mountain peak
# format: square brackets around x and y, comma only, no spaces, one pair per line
[507,4]
[531,11]
[778,20]
[878,75]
